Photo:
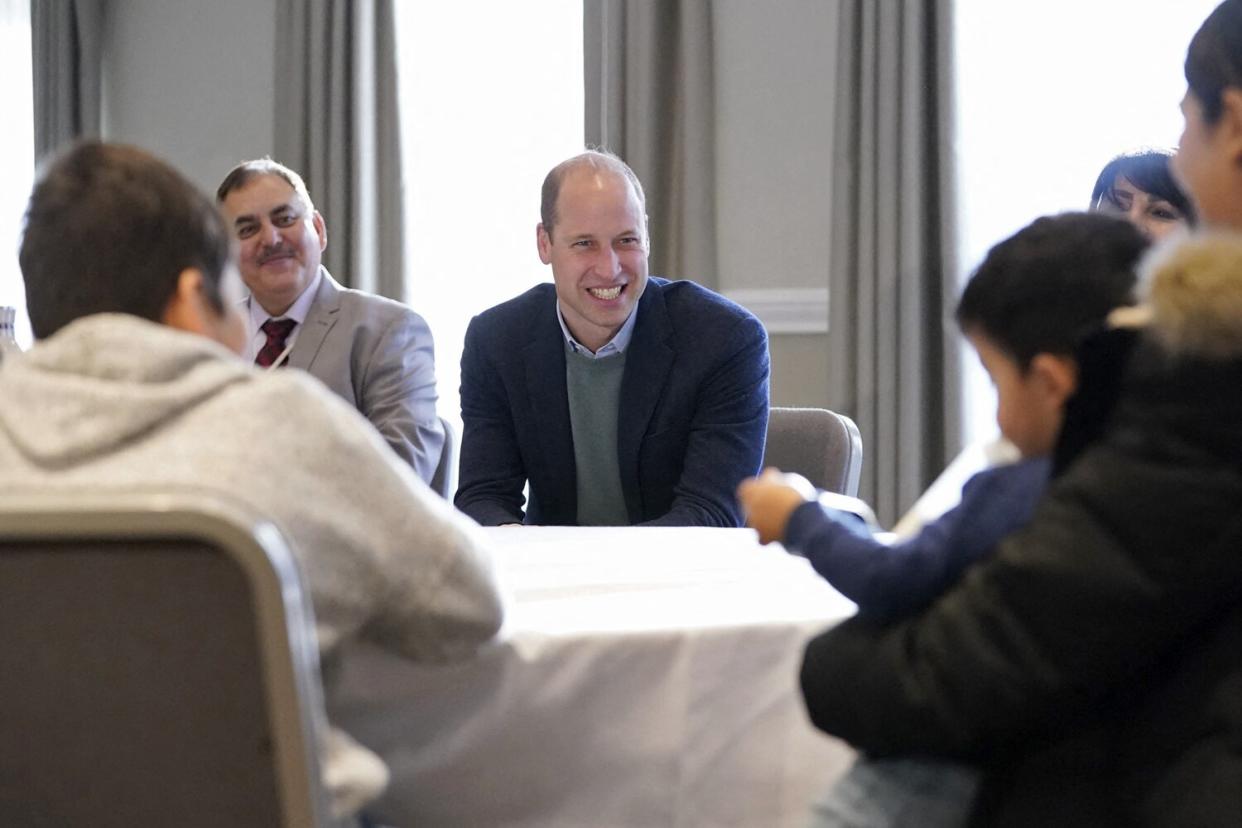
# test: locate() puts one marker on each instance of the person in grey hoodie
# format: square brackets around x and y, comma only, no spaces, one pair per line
[134,384]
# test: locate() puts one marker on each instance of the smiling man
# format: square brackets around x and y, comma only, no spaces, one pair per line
[619,398]
[374,353]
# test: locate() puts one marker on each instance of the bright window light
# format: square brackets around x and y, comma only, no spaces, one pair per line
[491,98]
[16,152]
[1047,93]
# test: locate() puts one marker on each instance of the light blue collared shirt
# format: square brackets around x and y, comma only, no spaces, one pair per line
[256,316]
[616,345]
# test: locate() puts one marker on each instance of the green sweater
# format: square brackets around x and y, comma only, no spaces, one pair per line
[594,398]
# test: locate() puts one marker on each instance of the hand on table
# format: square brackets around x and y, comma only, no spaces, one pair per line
[769,499]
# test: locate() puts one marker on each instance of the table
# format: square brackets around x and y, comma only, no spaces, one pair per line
[645,677]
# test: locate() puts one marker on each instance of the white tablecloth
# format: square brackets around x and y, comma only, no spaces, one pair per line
[645,677]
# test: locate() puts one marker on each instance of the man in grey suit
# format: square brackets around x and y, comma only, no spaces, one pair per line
[373,352]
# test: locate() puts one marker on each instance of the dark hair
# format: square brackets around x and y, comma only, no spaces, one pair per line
[246,171]
[1043,288]
[109,229]
[1214,59]
[1149,171]
[597,159]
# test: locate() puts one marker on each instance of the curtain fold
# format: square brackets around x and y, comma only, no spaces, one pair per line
[650,98]
[337,125]
[66,41]
[893,353]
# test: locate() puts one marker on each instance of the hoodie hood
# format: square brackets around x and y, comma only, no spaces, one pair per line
[103,381]
[1192,290]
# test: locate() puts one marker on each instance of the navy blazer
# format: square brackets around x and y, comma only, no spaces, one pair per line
[692,424]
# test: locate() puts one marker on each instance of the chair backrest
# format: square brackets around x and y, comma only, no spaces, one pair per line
[821,445]
[158,666]
[444,481]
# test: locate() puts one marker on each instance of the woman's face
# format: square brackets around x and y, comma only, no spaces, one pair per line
[1205,166]
[1149,213]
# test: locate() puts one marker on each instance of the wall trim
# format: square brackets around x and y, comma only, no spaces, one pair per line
[786,310]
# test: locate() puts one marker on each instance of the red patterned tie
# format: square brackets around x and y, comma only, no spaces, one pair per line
[277,331]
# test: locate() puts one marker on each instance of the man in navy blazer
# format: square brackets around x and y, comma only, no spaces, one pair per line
[620,399]
[373,352]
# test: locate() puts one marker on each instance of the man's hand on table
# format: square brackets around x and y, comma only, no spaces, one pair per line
[769,499]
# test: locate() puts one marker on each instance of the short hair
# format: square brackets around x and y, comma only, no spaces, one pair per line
[1051,283]
[1149,171]
[596,159]
[247,171]
[1214,58]
[109,229]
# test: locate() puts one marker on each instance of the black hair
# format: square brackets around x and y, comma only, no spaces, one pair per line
[1057,279]
[109,229]
[1149,171]
[1214,58]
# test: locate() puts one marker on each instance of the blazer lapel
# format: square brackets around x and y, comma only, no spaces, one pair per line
[323,315]
[544,360]
[648,360]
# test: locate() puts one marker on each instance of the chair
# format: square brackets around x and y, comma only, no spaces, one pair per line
[158,666]
[821,445]
[444,481]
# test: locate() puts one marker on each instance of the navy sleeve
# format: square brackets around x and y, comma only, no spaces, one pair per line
[895,581]
[491,473]
[726,436]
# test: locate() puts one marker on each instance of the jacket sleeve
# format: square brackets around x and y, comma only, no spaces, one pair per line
[1079,604]
[491,474]
[398,393]
[890,581]
[727,433]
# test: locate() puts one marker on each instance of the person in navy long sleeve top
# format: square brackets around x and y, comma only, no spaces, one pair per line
[1032,300]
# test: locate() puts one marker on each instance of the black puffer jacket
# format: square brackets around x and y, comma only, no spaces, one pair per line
[1093,666]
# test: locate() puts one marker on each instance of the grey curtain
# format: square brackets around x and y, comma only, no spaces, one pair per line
[892,351]
[66,38]
[337,117]
[650,99]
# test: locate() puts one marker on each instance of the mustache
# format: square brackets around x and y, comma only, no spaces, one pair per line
[274,252]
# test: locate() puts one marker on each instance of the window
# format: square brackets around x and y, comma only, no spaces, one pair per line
[491,99]
[1047,94]
[16,152]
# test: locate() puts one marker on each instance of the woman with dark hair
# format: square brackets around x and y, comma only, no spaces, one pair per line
[1140,186]
[1092,666]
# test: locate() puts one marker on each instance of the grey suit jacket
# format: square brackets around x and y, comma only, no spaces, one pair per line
[377,355]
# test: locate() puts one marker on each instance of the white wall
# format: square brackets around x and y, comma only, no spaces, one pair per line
[775,70]
[193,82]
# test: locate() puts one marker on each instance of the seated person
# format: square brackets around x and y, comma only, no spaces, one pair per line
[1092,665]
[1033,298]
[134,383]
[372,352]
[1140,186]
[620,399]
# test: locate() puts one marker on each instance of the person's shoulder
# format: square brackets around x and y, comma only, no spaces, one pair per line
[360,303]
[1026,476]
[683,294]
[516,314]
[704,313]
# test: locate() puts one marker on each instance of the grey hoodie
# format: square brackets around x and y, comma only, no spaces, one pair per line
[112,401]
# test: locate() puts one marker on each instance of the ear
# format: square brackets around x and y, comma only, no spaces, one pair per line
[544,241]
[1230,126]
[321,230]
[186,306]
[189,310]
[1056,375]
